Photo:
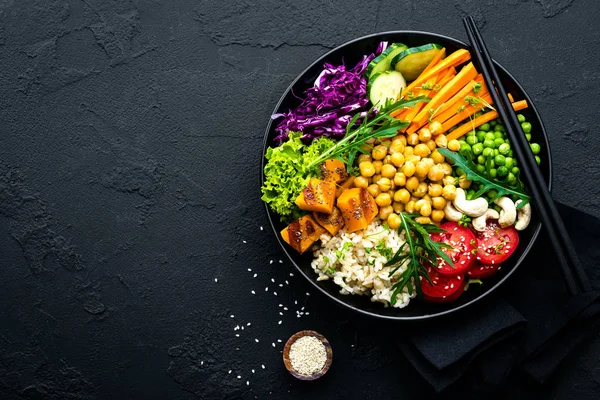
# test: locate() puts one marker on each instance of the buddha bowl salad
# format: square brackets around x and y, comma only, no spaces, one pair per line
[397,175]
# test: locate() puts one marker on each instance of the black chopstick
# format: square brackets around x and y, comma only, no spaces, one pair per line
[573,273]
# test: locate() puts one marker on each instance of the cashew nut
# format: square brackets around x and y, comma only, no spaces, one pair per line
[473,208]
[451,213]
[508,214]
[523,216]
[479,222]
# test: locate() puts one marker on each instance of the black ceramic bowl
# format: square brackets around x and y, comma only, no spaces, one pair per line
[350,53]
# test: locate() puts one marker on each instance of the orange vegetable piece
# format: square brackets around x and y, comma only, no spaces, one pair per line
[347,184]
[451,118]
[317,196]
[333,171]
[453,60]
[302,233]
[358,208]
[331,222]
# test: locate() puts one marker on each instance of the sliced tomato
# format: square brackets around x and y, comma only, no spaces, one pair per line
[496,244]
[445,288]
[462,241]
[481,271]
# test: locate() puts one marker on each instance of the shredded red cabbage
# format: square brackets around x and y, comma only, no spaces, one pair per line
[330,104]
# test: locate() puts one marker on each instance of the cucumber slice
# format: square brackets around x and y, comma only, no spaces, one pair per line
[382,62]
[411,62]
[385,85]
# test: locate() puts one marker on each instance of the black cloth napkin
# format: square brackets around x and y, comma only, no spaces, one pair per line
[529,327]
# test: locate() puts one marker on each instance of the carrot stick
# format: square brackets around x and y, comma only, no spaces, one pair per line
[510,98]
[450,73]
[414,110]
[452,118]
[453,60]
[441,54]
[465,91]
[459,81]
[463,129]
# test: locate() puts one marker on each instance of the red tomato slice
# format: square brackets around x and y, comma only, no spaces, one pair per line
[495,244]
[481,271]
[445,288]
[463,242]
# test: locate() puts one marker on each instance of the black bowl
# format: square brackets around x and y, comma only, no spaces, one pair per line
[350,53]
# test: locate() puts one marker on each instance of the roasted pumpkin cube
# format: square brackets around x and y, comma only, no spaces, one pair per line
[318,196]
[331,222]
[347,184]
[333,170]
[358,208]
[302,233]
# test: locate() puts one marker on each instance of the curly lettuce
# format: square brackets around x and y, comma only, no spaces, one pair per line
[287,173]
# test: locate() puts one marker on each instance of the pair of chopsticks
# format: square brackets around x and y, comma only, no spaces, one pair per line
[573,273]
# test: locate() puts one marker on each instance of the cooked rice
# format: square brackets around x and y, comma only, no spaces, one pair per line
[357,265]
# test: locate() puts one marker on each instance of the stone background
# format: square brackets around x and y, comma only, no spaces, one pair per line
[130,136]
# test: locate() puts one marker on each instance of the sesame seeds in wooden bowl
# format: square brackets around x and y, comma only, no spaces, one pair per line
[307,355]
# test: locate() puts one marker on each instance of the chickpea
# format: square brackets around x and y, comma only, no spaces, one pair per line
[413,159]
[388,171]
[431,144]
[421,169]
[447,168]
[397,146]
[364,157]
[366,169]
[453,145]
[402,196]
[408,169]
[384,184]
[429,161]
[435,127]
[424,134]
[384,212]
[375,178]
[463,182]
[426,209]
[408,151]
[361,182]
[449,192]
[393,221]
[402,139]
[367,147]
[421,190]
[379,152]
[412,183]
[427,197]
[437,215]
[435,189]
[373,189]
[377,164]
[410,207]
[400,179]
[423,220]
[449,180]
[436,173]
[387,159]
[422,150]
[438,203]
[397,159]
[412,139]
[386,143]
[437,157]
[419,203]
[383,200]
[441,141]
[398,207]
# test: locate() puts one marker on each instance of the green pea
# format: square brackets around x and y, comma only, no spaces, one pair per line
[499,128]
[461,141]
[509,162]
[464,150]
[492,193]
[498,142]
[493,122]
[471,140]
[515,170]
[526,127]
[521,117]
[488,144]
[528,136]
[480,168]
[481,159]
[459,171]
[485,127]
[490,164]
[538,160]
[535,148]
[511,178]
[500,160]
[477,148]
[480,136]
[510,154]
[498,134]
[493,172]
[502,171]
[487,151]
[495,153]
[504,148]
[490,136]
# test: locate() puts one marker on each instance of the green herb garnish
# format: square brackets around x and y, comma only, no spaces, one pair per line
[477,87]
[487,184]
[418,251]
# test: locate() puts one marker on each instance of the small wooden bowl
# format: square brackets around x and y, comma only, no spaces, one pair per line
[288,363]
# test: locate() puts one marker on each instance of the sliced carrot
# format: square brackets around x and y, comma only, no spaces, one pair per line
[463,129]
[465,91]
[510,97]
[452,118]
[453,60]
[466,74]
[436,59]
[414,110]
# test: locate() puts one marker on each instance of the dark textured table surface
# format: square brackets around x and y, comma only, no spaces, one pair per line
[134,263]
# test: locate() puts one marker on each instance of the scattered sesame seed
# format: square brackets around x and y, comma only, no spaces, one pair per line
[256,340]
[247,383]
[306,313]
[229,372]
[232,316]
[239,377]
[273,344]
[287,283]
[279,322]
[280,305]
[253,292]
[270,261]
[255,275]
[308,294]
[252,371]
[296,302]
[281,285]
[285,308]
[280,313]
[248,324]
[275,293]
[263,366]
[261,228]
[291,274]
[249,269]
[278,340]
[216,280]
[272,280]
[237,335]
[236,328]
[243,241]
[280,262]
[267,289]
[242,328]
[201,362]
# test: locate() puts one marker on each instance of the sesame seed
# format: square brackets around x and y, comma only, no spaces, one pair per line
[253,292]
[263,366]
[452,286]
[261,228]
[267,289]
[249,269]
[243,241]
[281,285]
[253,371]
[229,372]
[270,261]
[237,335]
[216,280]
[256,340]
[280,261]
[248,324]
[255,275]
[280,313]
[279,323]
[242,328]
[291,274]
[306,313]
[247,383]
[285,308]
[287,283]
[273,344]
[239,377]
[232,316]
[275,293]
[201,362]
[308,355]
[272,280]
[278,340]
